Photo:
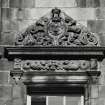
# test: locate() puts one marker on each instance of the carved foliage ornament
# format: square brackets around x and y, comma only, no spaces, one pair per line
[56,29]
[55,65]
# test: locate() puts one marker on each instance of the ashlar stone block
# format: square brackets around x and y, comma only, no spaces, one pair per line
[55,3]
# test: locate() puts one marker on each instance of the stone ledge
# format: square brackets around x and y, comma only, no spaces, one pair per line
[54,52]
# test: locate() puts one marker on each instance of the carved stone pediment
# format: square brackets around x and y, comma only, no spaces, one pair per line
[56,29]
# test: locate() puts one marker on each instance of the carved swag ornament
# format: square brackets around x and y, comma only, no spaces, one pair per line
[56,29]
[55,65]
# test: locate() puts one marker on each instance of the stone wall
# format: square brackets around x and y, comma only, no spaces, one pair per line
[16,15]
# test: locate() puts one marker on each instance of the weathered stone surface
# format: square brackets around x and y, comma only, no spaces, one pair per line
[0,24]
[5,102]
[100,101]
[28,3]
[88,3]
[13,14]
[22,25]
[23,13]
[5,65]
[68,3]
[100,13]
[18,102]
[22,3]
[20,14]
[10,14]
[0,14]
[94,91]
[1,49]
[17,91]
[7,38]
[92,3]
[9,26]
[6,92]
[81,3]
[5,3]
[55,3]
[81,13]
[102,91]
[18,95]
[102,3]
[97,26]
[4,76]
[5,13]
[0,3]
[16,3]
[34,13]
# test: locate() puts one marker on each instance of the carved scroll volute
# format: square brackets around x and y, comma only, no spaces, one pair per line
[17,72]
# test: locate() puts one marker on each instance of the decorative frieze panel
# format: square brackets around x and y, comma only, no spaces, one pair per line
[56,29]
[55,65]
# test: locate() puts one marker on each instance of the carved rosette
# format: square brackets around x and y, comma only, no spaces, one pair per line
[56,29]
[59,65]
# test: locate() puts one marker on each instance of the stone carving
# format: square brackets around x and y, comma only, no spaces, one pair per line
[17,72]
[17,64]
[58,65]
[56,29]
[93,64]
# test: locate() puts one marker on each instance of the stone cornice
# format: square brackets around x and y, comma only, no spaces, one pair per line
[54,52]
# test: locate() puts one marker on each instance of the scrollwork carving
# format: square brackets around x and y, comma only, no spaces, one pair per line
[56,29]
